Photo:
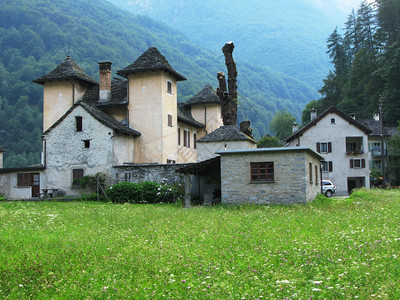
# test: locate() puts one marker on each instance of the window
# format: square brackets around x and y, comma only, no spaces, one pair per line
[86,144]
[78,123]
[333,121]
[310,172]
[194,140]
[170,161]
[179,136]
[24,179]
[262,172]
[186,138]
[326,166]
[316,175]
[357,163]
[170,120]
[169,87]
[324,147]
[351,147]
[77,175]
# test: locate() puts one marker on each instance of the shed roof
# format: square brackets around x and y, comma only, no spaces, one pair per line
[205,96]
[68,69]
[151,60]
[225,133]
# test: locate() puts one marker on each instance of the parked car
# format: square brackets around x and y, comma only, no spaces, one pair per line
[328,188]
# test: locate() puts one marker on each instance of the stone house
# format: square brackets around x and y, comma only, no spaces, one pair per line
[270,175]
[92,127]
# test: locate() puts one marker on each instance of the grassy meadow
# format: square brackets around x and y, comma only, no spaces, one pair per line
[95,250]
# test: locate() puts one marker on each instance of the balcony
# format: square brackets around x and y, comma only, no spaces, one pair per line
[354,146]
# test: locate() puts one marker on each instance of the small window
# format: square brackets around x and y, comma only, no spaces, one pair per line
[78,123]
[333,121]
[179,136]
[357,163]
[194,140]
[262,172]
[310,172]
[169,87]
[316,175]
[170,161]
[77,175]
[170,120]
[326,166]
[324,147]
[86,144]
[24,179]
[186,138]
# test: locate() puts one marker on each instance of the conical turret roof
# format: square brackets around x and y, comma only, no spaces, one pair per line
[151,60]
[68,69]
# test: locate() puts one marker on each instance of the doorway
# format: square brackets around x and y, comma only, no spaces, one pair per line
[355,183]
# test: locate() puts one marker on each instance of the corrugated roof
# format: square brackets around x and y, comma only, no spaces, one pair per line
[68,69]
[205,96]
[151,60]
[225,133]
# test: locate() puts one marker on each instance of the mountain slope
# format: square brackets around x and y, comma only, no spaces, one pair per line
[35,36]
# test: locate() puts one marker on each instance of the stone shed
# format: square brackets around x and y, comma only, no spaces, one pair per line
[270,175]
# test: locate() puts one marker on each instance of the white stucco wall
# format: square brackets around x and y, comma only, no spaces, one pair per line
[336,133]
[65,150]
[207,150]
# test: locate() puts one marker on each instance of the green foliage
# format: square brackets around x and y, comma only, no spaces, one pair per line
[281,124]
[91,181]
[394,154]
[269,141]
[376,177]
[143,192]
[340,249]
[366,63]
[2,198]
[89,197]
[35,36]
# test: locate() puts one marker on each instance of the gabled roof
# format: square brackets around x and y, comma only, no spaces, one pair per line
[119,95]
[151,60]
[225,133]
[99,115]
[205,96]
[68,69]
[184,115]
[323,115]
[375,127]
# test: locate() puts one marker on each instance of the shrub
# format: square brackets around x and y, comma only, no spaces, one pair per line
[89,197]
[144,192]
[2,198]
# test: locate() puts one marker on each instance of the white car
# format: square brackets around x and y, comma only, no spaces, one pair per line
[328,188]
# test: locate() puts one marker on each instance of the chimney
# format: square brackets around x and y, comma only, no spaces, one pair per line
[313,113]
[376,117]
[295,127]
[352,115]
[105,81]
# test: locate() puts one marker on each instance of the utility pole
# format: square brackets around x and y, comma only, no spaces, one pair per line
[382,142]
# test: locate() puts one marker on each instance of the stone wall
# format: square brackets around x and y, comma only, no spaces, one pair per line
[291,177]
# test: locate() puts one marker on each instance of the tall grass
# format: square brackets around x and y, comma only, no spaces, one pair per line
[329,248]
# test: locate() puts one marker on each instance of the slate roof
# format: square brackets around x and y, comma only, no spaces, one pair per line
[151,60]
[375,127]
[225,133]
[184,115]
[205,96]
[68,69]
[119,95]
[320,117]
[99,115]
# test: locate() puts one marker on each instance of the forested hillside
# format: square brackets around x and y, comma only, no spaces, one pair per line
[35,36]
[288,36]
[366,58]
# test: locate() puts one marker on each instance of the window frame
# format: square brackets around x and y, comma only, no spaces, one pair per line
[186,138]
[24,180]
[77,174]
[169,87]
[86,144]
[170,120]
[78,124]
[258,177]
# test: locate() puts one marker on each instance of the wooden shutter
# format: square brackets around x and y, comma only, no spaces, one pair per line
[330,166]
[363,163]
[319,147]
[351,164]
[179,136]
[329,147]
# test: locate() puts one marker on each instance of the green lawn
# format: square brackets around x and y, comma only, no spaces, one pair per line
[337,248]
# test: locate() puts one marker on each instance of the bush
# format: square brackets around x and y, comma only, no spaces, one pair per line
[89,197]
[2,198]
[144,192]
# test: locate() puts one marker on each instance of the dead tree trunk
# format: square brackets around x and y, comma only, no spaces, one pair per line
[228,97]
